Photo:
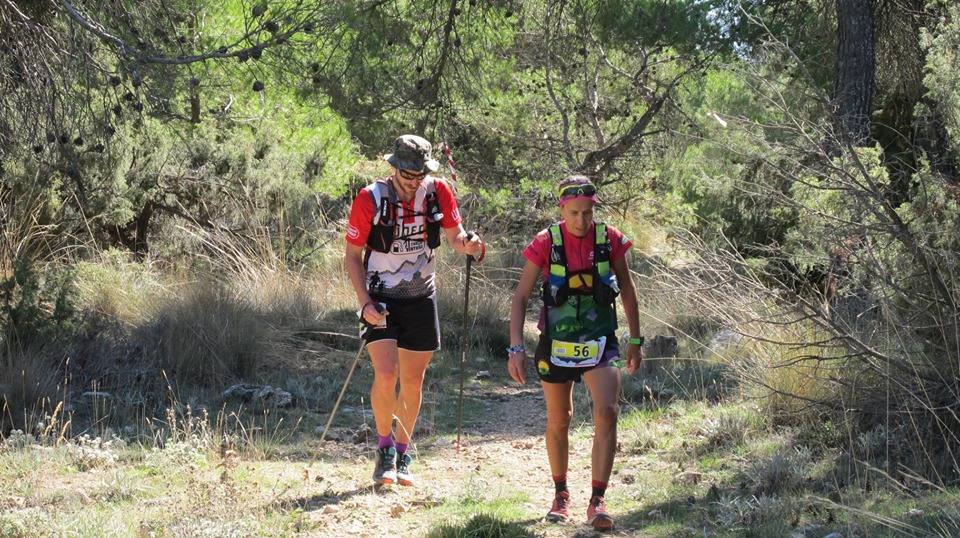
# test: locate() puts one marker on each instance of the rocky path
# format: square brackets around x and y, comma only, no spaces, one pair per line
[503,456]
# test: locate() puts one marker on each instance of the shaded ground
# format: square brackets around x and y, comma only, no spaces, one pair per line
[685,468]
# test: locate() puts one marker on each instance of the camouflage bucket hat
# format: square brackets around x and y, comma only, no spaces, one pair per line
[411,152]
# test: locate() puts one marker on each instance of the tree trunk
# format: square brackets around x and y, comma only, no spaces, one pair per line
[194,106]
[853,88]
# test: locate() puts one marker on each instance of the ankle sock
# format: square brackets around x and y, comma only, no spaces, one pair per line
[560,482]
[385,441]
[598,488]
[401,448]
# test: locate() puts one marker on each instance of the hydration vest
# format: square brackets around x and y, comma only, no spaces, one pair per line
[385,205]
[573,313]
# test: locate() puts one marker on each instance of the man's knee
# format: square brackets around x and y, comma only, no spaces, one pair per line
[385,377]
[412,381]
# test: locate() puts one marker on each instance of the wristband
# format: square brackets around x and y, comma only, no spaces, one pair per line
[516,349]
[635,341]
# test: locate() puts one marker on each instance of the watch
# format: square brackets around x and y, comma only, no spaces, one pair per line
[635,341]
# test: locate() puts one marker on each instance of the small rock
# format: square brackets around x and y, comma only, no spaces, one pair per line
[655,513]
[397,510]
[273,397]
[363,434]
[423,427]
[661,346]
[689,477]
[914,512]
[628,479]
[724,338]
[483,374]
[331,509]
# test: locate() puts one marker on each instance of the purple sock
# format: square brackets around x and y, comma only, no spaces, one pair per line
[401,448]
[385,441]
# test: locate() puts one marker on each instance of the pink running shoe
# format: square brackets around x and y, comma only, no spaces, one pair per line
[597,515]
[560,511]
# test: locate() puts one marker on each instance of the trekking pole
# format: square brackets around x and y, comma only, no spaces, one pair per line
[380,308]
[463,344]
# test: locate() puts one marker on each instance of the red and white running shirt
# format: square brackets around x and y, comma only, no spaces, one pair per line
[407,270]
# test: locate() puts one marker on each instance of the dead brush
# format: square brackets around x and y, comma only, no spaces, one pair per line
[729,428]
[30,391]
[783,472]
[755,516]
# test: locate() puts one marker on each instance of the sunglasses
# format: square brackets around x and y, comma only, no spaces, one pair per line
[578,190]
[405,174]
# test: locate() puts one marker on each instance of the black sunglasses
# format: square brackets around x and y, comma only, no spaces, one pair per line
[578,190]
[411,175]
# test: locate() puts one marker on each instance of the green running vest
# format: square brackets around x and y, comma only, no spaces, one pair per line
[580,306]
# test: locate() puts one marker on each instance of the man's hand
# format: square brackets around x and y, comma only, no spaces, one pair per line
[517,366]
[374,314]
[473,245]
[634,358]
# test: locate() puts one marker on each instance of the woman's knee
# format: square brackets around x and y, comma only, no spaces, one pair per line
[559,420]
[606,413]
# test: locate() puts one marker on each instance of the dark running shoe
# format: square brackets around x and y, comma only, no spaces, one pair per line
[560,511]
[385,472]
[597,515]
[404,476]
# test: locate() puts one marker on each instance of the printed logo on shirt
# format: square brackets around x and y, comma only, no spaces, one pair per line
[406,246]
[409,238]
[456,214]
[352,232]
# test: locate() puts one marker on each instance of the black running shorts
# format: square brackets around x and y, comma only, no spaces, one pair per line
[413,323]
[551,373]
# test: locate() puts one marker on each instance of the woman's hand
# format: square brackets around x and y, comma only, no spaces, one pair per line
[634,358]
[517,366]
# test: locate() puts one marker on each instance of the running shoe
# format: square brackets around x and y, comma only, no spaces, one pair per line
[404,476]
[385,472]
[560,511]
[597,516]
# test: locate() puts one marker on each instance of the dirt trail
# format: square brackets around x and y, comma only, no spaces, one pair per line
[503,452]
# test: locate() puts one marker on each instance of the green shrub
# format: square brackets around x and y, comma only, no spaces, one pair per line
[482,526]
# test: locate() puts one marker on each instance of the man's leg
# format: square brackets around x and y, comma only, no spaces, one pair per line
[383,400]
[412,368]
[604,386]
[383,392]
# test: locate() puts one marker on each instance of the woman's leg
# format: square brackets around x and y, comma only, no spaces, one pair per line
[604,386]
[559,400]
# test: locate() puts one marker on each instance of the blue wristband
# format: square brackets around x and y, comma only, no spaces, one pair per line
[516,349]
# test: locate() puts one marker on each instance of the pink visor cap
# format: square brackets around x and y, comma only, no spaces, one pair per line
[577,188]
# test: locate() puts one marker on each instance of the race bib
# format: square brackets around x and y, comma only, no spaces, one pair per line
[577,354]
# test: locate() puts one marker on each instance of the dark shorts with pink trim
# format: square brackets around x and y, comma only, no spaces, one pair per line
[551,373]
